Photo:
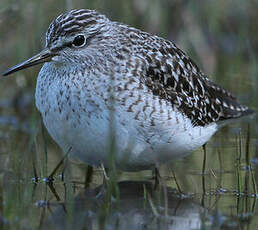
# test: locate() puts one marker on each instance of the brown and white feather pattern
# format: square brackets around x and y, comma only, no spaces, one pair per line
[165,69]
[161,104]
[173,76]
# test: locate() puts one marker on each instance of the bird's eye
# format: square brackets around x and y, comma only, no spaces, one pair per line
[79,41]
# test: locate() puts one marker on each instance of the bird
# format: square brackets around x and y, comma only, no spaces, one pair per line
[109,91]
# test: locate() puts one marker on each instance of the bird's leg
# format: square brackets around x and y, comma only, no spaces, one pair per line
[103,187]
[203,167]
[157,177]
[88,176]
[106,181]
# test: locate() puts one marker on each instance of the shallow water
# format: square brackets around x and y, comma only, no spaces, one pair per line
[220,196]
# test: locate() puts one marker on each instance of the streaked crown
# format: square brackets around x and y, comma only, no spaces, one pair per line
[74,22]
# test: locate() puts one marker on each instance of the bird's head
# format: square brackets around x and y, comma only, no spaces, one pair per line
[68,37]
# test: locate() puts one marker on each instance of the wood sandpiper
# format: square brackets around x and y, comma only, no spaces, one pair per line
[102,78]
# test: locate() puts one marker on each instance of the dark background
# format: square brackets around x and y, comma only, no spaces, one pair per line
[220,36]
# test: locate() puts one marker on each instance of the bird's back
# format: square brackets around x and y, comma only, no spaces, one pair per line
[172,76]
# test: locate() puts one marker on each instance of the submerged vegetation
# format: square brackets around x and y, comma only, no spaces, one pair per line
[214,188]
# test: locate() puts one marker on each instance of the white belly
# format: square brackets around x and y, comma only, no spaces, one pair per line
[95,137]
[80,119]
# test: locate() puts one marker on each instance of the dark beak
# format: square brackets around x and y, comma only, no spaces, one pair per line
[44,56]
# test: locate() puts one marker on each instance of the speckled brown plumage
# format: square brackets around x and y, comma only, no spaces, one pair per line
[102,76]
[173,76]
